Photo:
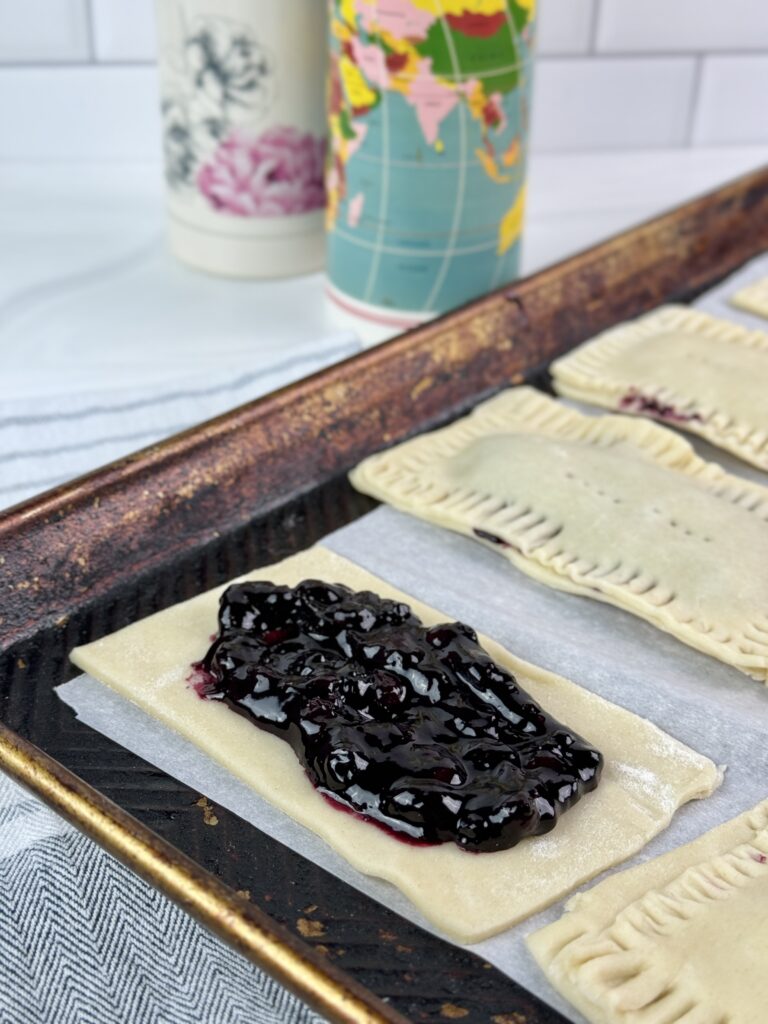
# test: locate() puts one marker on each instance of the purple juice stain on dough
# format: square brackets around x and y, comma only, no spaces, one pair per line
[415,729]
[634,401]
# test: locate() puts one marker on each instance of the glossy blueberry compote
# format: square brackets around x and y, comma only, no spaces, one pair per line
[415,729]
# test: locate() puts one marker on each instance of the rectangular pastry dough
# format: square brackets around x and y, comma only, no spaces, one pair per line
[610,507]
[753,298]
[647,773]
[682,939]
[704,375]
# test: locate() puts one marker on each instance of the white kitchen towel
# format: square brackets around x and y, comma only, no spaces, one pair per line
[54,437]
[85,941]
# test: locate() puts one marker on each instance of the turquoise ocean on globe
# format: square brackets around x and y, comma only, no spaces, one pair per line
[428,110]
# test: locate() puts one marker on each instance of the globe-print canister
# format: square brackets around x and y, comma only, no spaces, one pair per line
[244,128]
[428,115]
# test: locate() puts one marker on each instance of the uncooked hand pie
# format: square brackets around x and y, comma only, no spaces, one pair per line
[682,939]
[753,298]
[610,507]
[646,776]
[704,375]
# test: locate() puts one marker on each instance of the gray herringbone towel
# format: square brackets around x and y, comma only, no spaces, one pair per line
[84,941]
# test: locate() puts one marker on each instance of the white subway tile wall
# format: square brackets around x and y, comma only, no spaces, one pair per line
[80,113]
[610,74]
[34,31]
[733,100]
[611,104]
[124,30]
[565,26]
[682,26]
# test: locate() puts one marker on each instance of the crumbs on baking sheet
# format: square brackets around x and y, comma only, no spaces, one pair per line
[209,816]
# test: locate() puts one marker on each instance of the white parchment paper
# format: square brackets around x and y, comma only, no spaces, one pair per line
[717,300]
[711,707]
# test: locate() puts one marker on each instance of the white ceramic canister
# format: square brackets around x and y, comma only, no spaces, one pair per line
[244,127]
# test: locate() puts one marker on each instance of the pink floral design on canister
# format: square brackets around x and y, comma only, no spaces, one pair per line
[279,172]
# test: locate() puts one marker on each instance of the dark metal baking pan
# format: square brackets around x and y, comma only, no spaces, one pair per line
[250,487]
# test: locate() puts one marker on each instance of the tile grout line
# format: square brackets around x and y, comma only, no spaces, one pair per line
[589,57]
[603,56]
[594,27]
[90,30]
[693,104]
[63,65]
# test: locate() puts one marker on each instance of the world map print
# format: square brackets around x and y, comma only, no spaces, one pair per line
[428,104]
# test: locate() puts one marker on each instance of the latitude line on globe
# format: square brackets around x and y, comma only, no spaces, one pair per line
[383,200]
[394,250]
[462,185]
[421,165]
[467,76]
[517,43]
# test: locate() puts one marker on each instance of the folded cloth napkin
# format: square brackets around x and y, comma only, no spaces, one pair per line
[51,438]
[81,937]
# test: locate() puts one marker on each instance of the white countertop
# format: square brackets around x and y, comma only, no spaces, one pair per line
[90,299]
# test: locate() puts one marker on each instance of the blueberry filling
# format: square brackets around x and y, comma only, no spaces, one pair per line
[491,538]
[415,729]
[633,401]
